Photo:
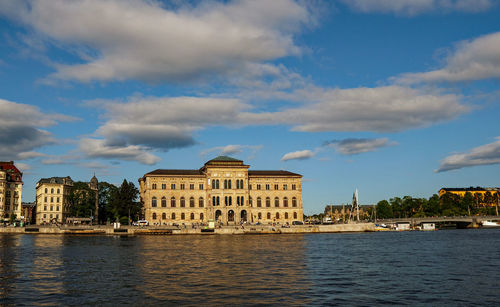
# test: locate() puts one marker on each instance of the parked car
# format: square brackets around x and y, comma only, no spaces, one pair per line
[142,223]
[297,223]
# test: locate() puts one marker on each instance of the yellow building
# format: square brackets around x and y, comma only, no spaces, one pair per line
[223,190]
[11,191]
[52,199]
[475,191]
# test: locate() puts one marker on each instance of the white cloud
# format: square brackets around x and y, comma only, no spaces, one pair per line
[127,39]
[472,60]
[232,149]
[96,148]
[357,146]
[298,155]
[20,131]
[415,7]
[23,167]
[483,155]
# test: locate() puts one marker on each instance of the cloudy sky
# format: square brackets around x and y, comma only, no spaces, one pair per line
[390,97]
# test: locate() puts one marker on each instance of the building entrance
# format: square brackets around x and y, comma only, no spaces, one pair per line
[218,215]
[230,216]
[243,215]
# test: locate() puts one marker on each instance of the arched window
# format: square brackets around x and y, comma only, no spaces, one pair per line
[268,202]
[294,202]
[242,201]
[213,184]
[52,191]
[286,215]
[230,200]
[277,215]
[250,201]
[218,200]
[58,191]
[269,215]
[201,202]
[173,216]
[192,216]
[225,200]
[276,202]
[164,216]
[214,201]
[172,202]
[153,202]
[237,184]
[295,215]
[241,183]
[154,216]
[225,183]
[183,202]
[285,202]
[163,201]
[191,202]
[259,204]
[46,191]
[201,216]
[217,184]
[183,216]
[259,215]
[229,184]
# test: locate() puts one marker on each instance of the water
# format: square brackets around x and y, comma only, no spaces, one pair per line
[455,267]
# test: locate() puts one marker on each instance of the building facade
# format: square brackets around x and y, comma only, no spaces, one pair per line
[11,191]
[223,190]
[52,199]
[484,196]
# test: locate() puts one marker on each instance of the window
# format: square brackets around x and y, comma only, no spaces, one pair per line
[214,201]
[295,215]
[51,199]
[57,208]
[183,186]
[52,191]
[268,202]
[217,184]
[201,202]
[183,216]
[45,216]
[259,216]
[172,203]
[201,186]
[286,215]
[225,184]
[230,200]
[201,216]
[51,208]
[276,202]
[172,186]
[276,187]
[218,200]
[237,200]
[192,216]
[294,202]
[153,202]
[191,201]
[213,184]
[191,186]
[163,186]
[51,215]
[250,201]
[183,202]
[229,184]
[285,202]
[258,186]
[277,215]
[164,202]
[241,183]
[46,191]
[44,199]
[269,215]
[249,186]
[237,184]
[294,187]
[173,216]
[163,216]
[267,187]
[44,208]
[259,204]
[58,199]
[284,187]
[58,191]
[154,186]
[154,216]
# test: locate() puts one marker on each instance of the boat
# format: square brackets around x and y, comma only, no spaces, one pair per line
[491,224]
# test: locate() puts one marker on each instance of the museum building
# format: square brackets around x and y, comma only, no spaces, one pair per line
[223,190]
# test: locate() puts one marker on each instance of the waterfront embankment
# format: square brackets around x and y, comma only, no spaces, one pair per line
[189,230]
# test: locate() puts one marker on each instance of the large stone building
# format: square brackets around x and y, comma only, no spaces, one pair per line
[223,190]
[11,190]
[52,199]
[484,196]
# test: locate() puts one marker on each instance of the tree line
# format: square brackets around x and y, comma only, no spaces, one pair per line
[448,204]
[114,203]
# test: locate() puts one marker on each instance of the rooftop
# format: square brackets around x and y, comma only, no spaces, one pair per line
[58,180]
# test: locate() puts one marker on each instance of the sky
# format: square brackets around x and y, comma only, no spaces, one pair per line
[392,98]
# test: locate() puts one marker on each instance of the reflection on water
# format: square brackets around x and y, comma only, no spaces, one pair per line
[412,268]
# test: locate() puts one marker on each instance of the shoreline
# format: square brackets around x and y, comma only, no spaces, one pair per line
[159,230]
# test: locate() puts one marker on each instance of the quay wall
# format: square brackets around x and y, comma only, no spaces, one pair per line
[226,230]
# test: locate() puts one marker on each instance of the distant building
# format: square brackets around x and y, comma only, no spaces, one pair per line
[477,192]
[11,190]
[340,213]
[223,190]
[52,199]
[28,212]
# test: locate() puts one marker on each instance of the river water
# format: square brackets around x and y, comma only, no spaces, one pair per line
[452,267]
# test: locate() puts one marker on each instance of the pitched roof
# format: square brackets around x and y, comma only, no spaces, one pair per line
[272,173]
[179,172]
[58,180]
[9,166]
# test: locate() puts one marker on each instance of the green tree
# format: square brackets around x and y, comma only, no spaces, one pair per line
[124,201]
[432,206]
[106,192]
[467,203]
[397,207]
[384,210]
[450,204]
[81,200]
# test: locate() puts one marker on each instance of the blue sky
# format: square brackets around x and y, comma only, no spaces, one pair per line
[393,98]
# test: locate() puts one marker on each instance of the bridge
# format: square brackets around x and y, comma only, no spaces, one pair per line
[459,221]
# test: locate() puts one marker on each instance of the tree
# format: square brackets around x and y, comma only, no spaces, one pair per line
[384,210]
[431,208]
[397,207]
[106,192]
[81,200]
[124,201]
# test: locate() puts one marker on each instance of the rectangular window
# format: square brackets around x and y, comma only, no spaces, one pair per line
[172,186]
[163,186]
[249,186]
[154,186]
[191,186]
[294,187]
[284,187]
[267,187]
[258,187]
[276,187]
[183,186]
[201,186]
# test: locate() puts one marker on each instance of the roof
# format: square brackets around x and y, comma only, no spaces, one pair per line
[58,180]
[224,159]
[9,166]
[179,172]
[470,189]
[272,173]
